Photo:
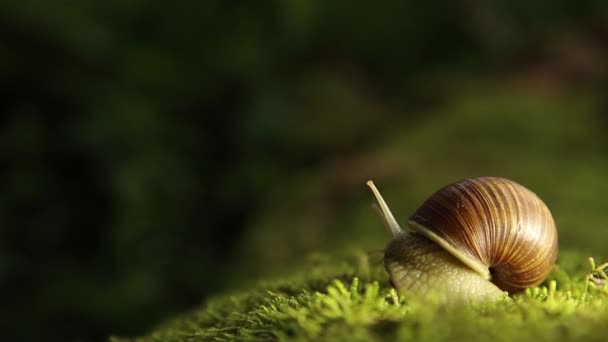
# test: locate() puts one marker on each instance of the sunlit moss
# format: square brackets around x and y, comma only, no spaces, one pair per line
[331,302]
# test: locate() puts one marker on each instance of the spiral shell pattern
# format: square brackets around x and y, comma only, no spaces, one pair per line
[494,225]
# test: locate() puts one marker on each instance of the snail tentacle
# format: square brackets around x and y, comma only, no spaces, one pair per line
[389,220]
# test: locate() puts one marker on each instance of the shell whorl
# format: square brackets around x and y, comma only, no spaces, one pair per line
[494,225]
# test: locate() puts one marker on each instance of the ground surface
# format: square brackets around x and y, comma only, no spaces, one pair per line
[329,299]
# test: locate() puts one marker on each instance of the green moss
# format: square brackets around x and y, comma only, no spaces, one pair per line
[330,299]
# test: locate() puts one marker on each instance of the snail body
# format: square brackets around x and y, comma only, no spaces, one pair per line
[472,239]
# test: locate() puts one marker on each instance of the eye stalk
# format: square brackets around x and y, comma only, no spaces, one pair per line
[387,216]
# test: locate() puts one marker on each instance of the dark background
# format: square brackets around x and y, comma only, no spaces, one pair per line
[155,154]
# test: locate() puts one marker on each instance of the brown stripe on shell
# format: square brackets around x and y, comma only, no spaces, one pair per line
[497,222]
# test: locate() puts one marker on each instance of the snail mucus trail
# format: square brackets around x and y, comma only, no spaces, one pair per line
[472,240]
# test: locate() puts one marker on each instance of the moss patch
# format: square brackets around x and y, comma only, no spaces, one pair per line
[330,299]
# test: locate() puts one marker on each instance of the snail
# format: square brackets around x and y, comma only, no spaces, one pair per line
[471,240]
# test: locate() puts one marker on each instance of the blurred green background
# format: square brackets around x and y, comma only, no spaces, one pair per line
[156,154]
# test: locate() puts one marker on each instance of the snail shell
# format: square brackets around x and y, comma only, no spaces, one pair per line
[500,230]
[495,226]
